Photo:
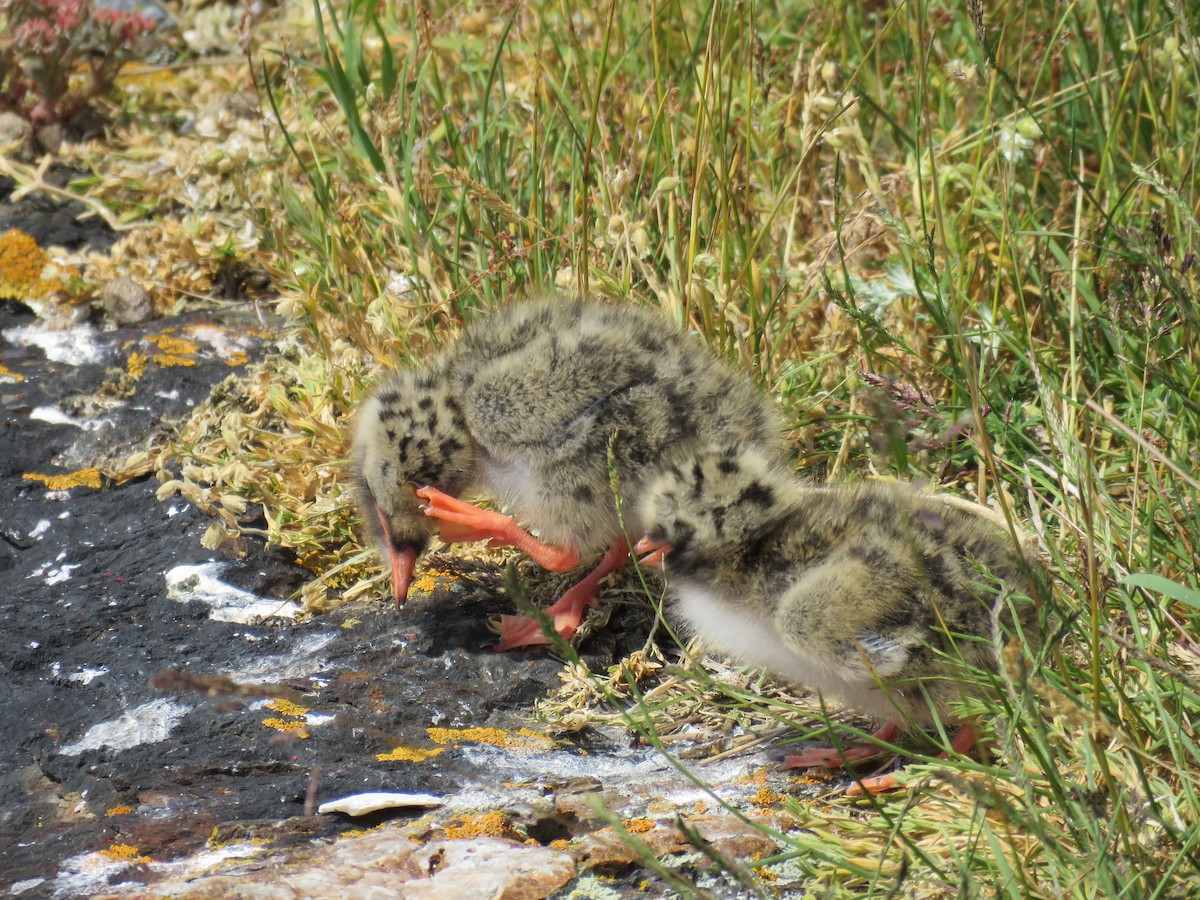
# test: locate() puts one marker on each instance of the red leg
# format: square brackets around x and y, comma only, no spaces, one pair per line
[461,521]
[962,744]
[833,758]
[567,612]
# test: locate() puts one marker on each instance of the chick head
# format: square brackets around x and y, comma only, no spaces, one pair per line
[410,433]
[708,503]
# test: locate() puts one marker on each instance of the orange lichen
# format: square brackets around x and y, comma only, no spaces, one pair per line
[118,811]
[173,351]
[294,727]
[638,826]
[82,478]
[758,776]
[523,739]
[21,264]
[765,873]
[813,776]
[409,754]
[765,797]
[9,376]
[286,707]
[489,824]
[236,358]
[125,853]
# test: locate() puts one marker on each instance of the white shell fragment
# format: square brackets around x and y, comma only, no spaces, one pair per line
[229,603]
[373,801]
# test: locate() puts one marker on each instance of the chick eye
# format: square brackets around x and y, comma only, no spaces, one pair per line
[681,533]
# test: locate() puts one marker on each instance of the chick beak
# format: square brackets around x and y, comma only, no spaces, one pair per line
[650,553]
[403,560]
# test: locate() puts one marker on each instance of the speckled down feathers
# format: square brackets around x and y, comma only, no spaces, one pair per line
[837,587]
[524,405]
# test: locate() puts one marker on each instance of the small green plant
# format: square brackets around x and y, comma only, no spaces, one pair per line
[58,55]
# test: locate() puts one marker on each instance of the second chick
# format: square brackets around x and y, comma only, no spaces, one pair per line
[874,594]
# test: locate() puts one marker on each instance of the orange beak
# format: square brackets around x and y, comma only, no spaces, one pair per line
[403,562]
[650,553]
[402,559]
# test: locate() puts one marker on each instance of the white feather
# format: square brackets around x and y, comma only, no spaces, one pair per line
[753,638]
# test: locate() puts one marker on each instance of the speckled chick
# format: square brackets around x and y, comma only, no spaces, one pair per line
[523,408]
[865,592]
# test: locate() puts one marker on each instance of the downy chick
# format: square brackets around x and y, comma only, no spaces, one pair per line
[869,593]
[523,408]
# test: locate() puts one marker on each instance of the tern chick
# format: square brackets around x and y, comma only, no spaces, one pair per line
[874,593]
[524,408]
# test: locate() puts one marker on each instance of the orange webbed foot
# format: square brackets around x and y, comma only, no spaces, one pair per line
[876,784]
[963,743]
[459,522]
[567,612]
[831,757]
[835,758]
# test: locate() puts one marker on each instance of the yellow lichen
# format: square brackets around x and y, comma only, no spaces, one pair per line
[135,365]
[523,739]
[294,728]
[765,797]
[168,343]
[125,853]
[424,585]
[82,478]
[168,360]
[236,358]
[489,824]
[409,754]
[118,811]
[286,707]
[173,351]
[8,376]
